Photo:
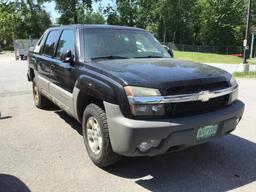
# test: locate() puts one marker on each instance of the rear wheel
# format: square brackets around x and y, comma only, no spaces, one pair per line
[96,136]
[40,100]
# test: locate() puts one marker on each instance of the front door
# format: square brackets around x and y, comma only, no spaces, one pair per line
[62,72]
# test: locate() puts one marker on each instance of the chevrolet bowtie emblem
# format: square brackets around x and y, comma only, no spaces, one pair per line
[204,96]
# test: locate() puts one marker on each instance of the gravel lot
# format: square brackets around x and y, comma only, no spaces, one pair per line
[44,151]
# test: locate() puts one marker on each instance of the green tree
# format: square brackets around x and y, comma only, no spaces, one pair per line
[92,18]
[69,10]
[254,14]
[78,11]
[6,17]
[171,20]
[206,22]
[22,19]
[34,19]
[222,22]
[128,11]
[112,15]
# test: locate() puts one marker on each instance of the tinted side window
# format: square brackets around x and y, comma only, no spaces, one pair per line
[66,42]
[39,44]
[50,43]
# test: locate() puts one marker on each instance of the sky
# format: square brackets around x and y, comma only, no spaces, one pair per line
[50,7]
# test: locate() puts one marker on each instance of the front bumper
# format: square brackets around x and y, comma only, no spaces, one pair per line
[175,133]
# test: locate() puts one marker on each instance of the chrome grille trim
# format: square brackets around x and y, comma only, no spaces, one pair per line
[203,96]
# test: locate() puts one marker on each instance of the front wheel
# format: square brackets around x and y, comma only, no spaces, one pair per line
[96,137]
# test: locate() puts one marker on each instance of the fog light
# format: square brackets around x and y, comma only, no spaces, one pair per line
[146,145]
[233,96]
[148,110]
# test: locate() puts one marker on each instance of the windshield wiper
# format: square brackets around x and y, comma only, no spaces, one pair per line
[109,57]
[150,56]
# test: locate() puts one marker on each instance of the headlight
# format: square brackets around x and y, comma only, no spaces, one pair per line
[145,109]
[141,91]
[234,95]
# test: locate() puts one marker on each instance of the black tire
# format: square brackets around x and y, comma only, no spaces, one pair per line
[105,156]
[40,100]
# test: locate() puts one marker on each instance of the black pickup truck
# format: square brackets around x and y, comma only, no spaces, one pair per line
[131,97]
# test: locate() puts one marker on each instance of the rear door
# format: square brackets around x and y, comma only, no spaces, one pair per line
[45,59]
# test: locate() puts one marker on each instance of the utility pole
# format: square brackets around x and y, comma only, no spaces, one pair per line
[252,44]
[15,32]
[245,63]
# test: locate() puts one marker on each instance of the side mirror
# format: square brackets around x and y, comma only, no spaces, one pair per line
[169,50]
[67,57]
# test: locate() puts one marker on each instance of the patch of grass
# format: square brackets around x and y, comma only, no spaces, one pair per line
[207,57]
[252,61]
[251,74]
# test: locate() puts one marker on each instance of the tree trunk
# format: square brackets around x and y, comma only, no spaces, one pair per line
[74,3]
[164,38]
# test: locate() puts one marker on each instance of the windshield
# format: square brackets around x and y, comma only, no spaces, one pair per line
[101,44]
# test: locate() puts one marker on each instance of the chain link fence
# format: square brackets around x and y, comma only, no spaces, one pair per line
[21,47]
[228,50]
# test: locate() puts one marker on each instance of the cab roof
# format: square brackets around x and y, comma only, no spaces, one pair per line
[96,26]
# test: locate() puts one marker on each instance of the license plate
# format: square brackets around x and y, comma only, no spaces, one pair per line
[206,132]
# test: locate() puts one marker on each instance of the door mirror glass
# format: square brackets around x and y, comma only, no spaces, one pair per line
[169,50]
[67,57]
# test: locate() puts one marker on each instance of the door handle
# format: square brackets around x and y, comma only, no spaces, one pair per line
[52,67]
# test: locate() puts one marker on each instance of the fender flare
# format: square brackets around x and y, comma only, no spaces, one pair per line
[92,87]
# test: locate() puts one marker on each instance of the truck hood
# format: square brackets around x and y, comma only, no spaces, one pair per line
[163,73]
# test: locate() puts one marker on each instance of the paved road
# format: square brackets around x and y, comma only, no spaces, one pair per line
[44,151]
[231,67]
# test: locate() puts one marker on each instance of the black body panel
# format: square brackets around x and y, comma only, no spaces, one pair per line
[105,79]
[163,73]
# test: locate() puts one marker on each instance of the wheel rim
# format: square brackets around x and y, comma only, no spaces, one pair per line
[36,94]
[94,136]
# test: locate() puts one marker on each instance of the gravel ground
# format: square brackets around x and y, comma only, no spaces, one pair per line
[44,151]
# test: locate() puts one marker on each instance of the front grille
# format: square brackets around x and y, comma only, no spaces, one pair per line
[196,107]
[197,88]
